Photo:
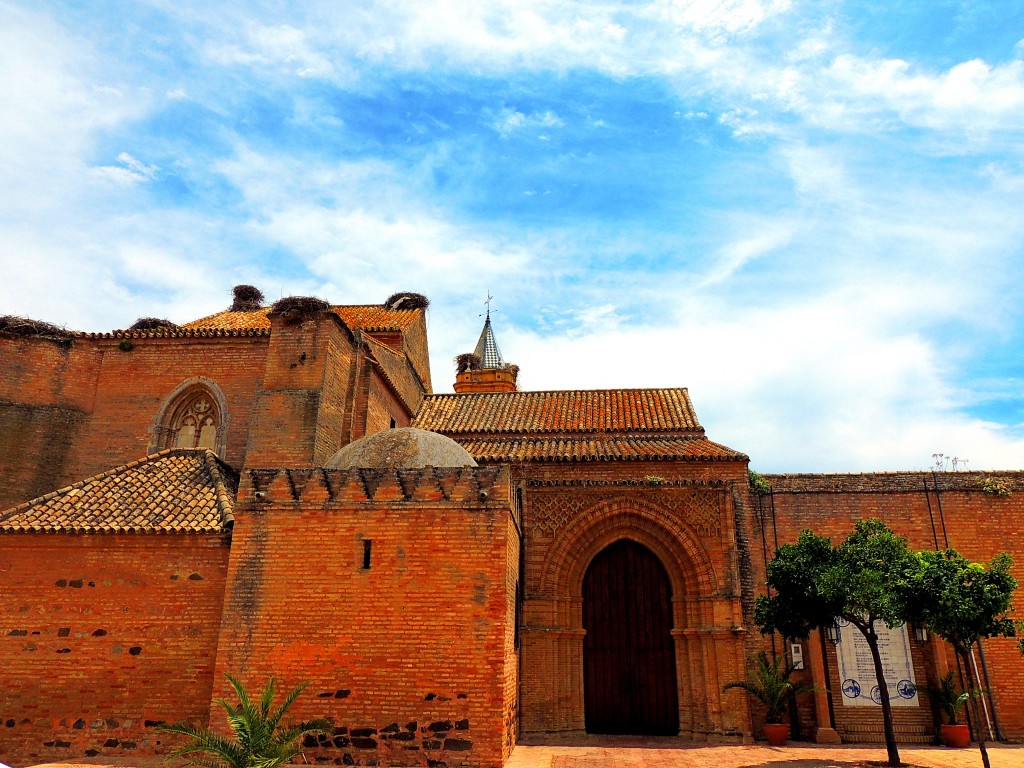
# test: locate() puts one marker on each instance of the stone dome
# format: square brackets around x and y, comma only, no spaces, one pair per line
[402,448]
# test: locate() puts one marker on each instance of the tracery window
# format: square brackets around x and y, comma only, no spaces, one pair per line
[194,422]
[193,417]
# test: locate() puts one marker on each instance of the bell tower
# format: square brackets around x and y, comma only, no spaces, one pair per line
[484,369]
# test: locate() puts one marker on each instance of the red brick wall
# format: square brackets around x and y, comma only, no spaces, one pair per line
[133,385]
[977,524]
[101,636]
[301,411]
[408,657]
[46,394]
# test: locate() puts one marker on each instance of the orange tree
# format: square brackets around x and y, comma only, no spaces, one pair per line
[962,602]
[865,580]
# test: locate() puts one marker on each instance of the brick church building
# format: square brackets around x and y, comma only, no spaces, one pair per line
[276,491]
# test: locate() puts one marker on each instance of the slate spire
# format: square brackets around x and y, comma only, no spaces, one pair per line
[487,347]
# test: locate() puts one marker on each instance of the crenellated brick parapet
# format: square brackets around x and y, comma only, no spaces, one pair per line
[467,485]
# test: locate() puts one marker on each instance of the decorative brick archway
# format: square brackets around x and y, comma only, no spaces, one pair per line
[704,616]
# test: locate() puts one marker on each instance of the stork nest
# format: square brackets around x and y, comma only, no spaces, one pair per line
[407,300]
[23,326]
[151,324]
[294,309]
[467,361]
[247,298]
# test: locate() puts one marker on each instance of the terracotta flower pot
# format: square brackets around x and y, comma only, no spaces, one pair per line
[955,735]
[776,734]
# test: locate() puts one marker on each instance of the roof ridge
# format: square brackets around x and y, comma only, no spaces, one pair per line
[519,392]
[224,503]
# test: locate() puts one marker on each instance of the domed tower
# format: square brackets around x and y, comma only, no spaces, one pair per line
[484,369]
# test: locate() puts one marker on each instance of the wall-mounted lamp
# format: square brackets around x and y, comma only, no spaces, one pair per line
[833,633]
[920,633]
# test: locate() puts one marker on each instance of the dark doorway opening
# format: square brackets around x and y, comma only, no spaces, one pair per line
[629,664]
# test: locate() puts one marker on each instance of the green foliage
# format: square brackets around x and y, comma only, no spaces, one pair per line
[996,486]
[759,483]
[260,741]
[962,601]
[654,479]
[948,696]
[865,579]
[862,580]
[770,684]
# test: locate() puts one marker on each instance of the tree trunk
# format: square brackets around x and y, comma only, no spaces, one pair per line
[890,732]
[979,723]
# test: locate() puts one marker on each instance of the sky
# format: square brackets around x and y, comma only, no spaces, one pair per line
[808,212]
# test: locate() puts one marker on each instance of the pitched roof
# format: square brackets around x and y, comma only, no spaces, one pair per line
[598,448]
[179,490]
[566,412]
[366,317]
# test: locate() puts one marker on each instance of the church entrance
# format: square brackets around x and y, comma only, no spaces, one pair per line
[629,669]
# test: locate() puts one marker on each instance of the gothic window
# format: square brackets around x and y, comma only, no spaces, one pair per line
[192,417]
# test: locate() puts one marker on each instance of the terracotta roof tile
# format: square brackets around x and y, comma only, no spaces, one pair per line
[567,412]
[599,448]
[177,490]
[366,317]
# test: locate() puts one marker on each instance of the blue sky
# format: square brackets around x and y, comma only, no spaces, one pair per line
[809,213]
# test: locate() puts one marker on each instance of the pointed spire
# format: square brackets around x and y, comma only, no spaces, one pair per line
[487,347]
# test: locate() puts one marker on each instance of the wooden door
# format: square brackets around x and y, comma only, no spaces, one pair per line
[629,666]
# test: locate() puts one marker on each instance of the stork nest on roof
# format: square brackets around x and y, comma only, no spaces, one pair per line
[247,298]
[407,300]
[151,324]
[467,361]
[23,326]
[294,309]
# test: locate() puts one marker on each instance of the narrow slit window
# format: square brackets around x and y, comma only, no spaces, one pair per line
[367,549]
[393,424]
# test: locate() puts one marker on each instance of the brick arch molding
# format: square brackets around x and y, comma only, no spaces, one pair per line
[689,568]
[185,389]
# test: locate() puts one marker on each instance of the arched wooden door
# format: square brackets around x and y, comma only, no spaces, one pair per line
[629,668]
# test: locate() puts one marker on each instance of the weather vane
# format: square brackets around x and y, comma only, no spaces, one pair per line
[488,303]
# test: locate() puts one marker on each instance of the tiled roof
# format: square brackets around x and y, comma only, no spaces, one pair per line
[398,371]
[566,412]
[366,317]
[174,491]
[892,482]
[514,449]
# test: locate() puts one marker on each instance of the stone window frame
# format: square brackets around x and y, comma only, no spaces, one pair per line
[162,435]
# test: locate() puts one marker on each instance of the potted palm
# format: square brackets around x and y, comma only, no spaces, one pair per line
[951,700]
[770,684]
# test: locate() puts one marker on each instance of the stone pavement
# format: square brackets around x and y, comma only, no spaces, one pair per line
[631,752]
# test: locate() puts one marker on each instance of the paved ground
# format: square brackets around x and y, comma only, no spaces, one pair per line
[629,752]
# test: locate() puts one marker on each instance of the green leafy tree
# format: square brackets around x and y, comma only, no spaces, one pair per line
[769,683]
[865,580]
[260,741]
[962,602]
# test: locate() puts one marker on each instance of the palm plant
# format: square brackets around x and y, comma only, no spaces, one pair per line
[259,739]
[770,685]
[949,697]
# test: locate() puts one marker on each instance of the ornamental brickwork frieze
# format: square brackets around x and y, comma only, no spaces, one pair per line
[551,508]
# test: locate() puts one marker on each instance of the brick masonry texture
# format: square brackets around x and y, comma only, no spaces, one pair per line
[129,586]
